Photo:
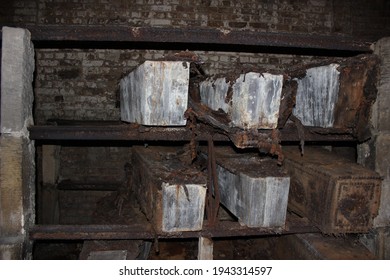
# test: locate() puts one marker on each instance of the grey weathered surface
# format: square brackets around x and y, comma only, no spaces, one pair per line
[252,188]
[374,153]
[17,160]
[205,248]
[317,95]
[336,194]
[254,102]
[170,193]
[16,80]
[156,93]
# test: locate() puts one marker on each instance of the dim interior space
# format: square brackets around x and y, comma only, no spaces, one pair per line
[179,130]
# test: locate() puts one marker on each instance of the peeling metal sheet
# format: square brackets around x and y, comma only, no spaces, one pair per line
[213,93]
[156,93]
[317,95]
[254,103]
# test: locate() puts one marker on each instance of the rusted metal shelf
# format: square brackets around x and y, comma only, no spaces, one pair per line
[203,38]
[294,224]
[127,132]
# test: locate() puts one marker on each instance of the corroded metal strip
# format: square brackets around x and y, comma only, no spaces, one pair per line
[195,35]
[294,224]
[131,133]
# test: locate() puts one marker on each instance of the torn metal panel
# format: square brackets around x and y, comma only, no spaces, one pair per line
[213,93]
[287,101]
[358,91]
[336,194]
[252,188]
[317,95]
[156,93]
[169,191]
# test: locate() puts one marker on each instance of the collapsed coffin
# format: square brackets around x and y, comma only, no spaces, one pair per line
[170,193]
[156,93]
[338,95]
[338,195]
[252,188]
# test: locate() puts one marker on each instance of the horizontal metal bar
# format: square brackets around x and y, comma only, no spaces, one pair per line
[131,133]
[116,132]
[294,224]
[193,35]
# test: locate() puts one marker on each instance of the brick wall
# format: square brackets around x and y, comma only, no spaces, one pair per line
[77,84]
[78,207]
[94,164]
[358,18]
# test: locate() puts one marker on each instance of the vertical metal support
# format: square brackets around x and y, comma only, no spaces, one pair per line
[213,197]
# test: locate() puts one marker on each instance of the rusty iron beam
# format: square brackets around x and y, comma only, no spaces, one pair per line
[115,132]
[193,35]
[294,224]
[124,132]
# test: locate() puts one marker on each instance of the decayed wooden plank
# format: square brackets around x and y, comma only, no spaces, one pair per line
[170,192]
[253,188]
[338,195]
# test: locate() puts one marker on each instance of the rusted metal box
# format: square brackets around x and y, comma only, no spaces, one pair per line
[156,93]
[252,188]
[338,195]
[170,193]
[338,95]
[252,100]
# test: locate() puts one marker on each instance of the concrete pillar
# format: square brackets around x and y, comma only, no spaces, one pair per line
[375,153]
[17,151]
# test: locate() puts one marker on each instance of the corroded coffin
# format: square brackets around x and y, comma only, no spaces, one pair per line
[338,94]
[338,195]
[252,188]
[170,193]
[252,101]
[156,93]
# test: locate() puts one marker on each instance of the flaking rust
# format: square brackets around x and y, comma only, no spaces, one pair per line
[337,93]
[170,192]
[337,195]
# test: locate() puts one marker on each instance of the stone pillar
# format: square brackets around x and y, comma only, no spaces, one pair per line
[17,151]
[375,153]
